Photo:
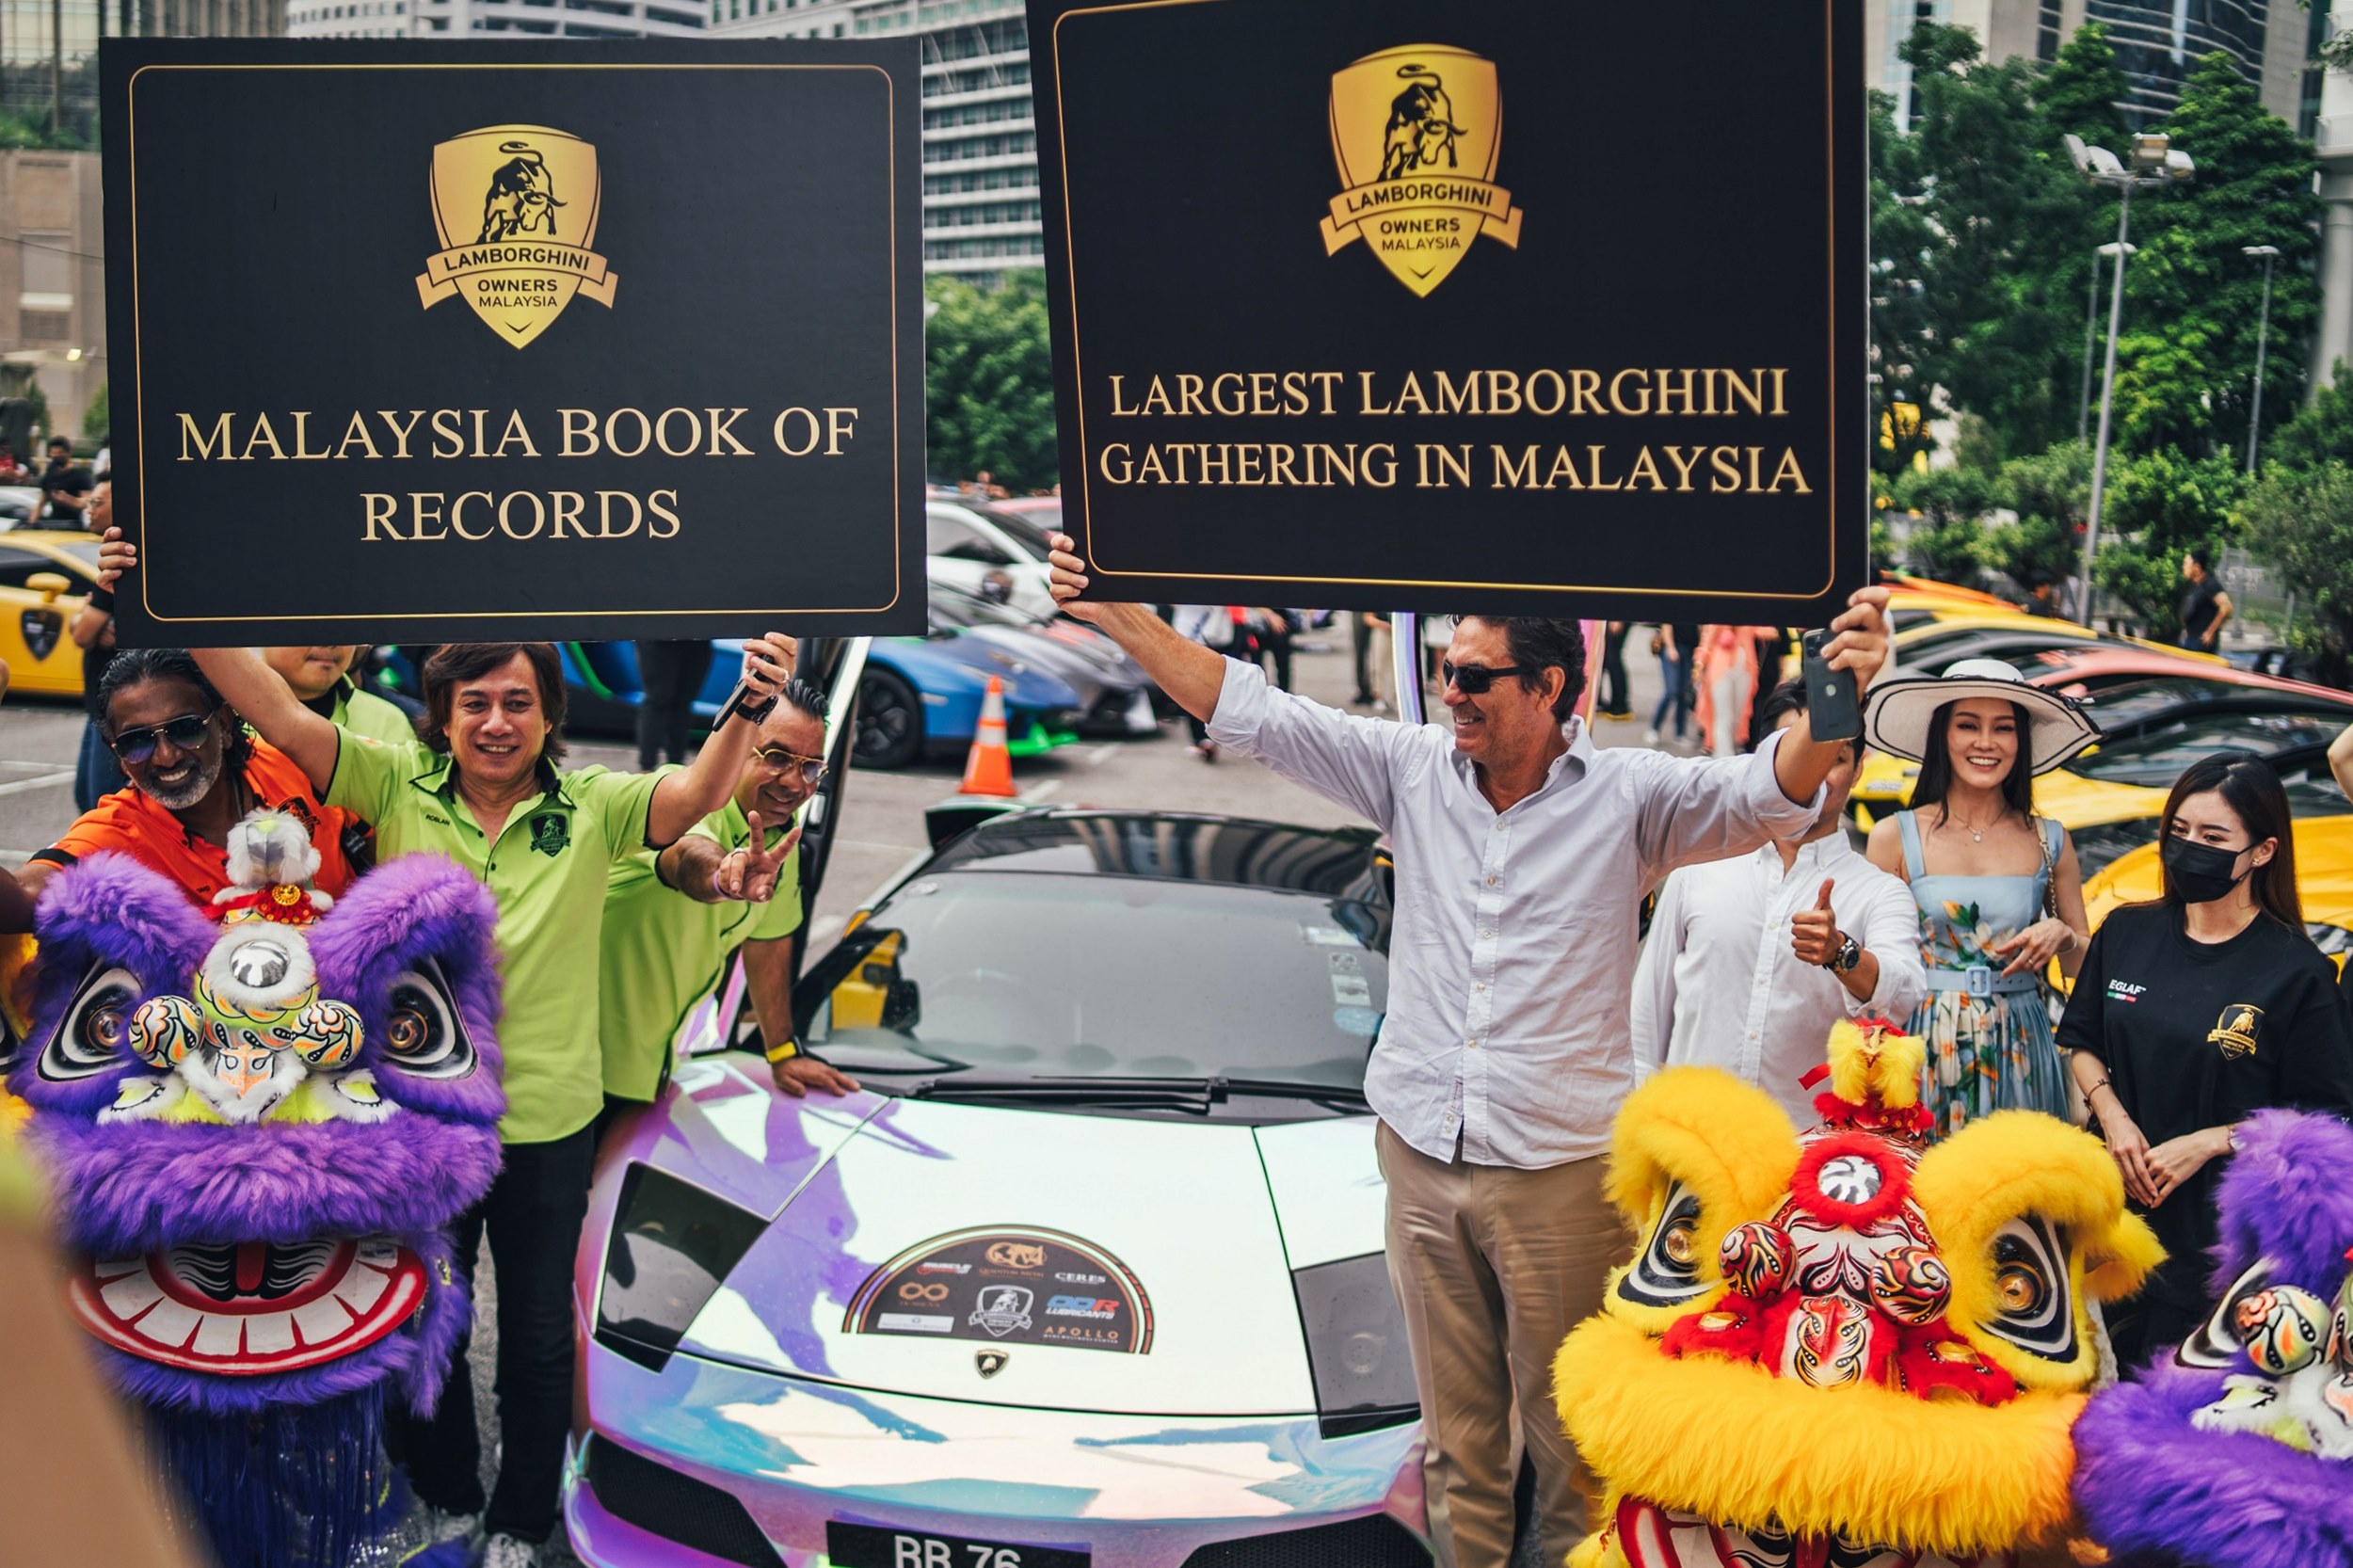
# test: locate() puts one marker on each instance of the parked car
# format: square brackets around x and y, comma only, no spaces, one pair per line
[2323,831]
[970,543]
[46,576]
[1116,693]
[1089,1272]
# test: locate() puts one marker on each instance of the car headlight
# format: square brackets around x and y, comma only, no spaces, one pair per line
[1355,1345]
[673,1244]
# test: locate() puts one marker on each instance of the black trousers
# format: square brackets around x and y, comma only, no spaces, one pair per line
[672,674]
[532,1215]
[1613,689]
[1360,637]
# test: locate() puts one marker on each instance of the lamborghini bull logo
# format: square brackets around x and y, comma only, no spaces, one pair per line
[1415,132]
[516,208]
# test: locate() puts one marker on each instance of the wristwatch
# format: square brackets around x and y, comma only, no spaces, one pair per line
[1849,954]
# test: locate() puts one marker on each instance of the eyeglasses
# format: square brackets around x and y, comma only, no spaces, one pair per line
[186,732]
[1474,680]
[778,759]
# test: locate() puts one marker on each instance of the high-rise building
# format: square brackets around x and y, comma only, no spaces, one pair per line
[2157,43]
[981,214]
[512,19]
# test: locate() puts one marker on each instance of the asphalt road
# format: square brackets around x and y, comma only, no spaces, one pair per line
[882,825]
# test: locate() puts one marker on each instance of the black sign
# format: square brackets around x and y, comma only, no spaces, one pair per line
[1501,305]
[1023,1288]
[418,341]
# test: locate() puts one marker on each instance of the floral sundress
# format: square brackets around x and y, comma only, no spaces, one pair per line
[1986,1052]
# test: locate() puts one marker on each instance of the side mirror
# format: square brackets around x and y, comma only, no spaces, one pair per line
[49,584]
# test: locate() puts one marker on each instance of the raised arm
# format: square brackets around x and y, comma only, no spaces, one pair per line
[1858,645]
[262,698]
[1188,672]
[682,799]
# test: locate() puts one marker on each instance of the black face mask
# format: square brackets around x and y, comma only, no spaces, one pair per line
[2202,873]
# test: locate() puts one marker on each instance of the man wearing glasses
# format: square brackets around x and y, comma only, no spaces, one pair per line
[195,771]
[740,871]
[1522,852]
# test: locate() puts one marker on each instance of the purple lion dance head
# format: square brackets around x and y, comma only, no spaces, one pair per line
[2237,1450]
[259,1134]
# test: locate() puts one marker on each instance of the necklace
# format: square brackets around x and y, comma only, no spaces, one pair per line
[1976,835]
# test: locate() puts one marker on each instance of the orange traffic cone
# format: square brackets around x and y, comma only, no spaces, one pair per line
[989,767]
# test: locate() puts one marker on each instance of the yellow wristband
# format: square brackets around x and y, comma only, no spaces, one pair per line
[784,1051]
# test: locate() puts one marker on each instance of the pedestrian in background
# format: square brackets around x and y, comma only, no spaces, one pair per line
[65,489]
[1725,676]
[1999,890]
[1614,700]
[2195,1012]
[671,674]
[96,773]
[1212,625]
[319,674]
[1360,644]
[1673,646]
[1751,960]
[1522,850]
[2205,608]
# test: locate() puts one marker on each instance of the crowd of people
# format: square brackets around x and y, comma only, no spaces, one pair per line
[1524,1002]
[621,898]
[1525,1005]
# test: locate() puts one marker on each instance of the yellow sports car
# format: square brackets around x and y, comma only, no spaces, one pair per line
[45,579]
[2324,875]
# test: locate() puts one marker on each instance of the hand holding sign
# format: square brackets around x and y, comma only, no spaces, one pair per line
[1066,580]
[1814,933]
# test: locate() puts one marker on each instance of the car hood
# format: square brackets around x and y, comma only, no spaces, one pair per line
[1081,674]
[1177,1229]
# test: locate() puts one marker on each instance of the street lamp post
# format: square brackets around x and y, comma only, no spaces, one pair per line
[2154,163]
[2092,337]
[2270,254]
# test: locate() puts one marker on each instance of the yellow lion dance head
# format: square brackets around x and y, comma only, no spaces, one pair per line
[1844,1347]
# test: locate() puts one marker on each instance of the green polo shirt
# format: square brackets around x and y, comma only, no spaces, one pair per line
[547,872]
[664,951]
[366,713]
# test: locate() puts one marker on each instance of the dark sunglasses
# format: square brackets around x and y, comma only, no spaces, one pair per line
[1474,680]
[187,732]
[778,759]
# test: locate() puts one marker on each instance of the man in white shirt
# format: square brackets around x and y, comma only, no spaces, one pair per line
[1522,852]
[1751,960]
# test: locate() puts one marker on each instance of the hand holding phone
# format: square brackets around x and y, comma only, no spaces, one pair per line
[1833,710]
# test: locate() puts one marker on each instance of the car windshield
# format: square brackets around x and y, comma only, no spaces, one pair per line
[2156,759]
[2132,702]
[1025,531]
[1039,975]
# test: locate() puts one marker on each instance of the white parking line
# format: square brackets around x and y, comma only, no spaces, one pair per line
[1040,789]
[1096,756]
[46,781]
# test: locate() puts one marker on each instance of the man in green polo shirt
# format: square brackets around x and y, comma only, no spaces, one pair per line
[740,871]
[320,674]
[483,787]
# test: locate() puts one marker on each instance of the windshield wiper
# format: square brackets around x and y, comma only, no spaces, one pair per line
[1279,1088]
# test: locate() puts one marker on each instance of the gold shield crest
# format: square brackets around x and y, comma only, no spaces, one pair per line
[1416,131]
[516,208]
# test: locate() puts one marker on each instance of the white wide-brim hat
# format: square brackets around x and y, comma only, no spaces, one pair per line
[1898,717]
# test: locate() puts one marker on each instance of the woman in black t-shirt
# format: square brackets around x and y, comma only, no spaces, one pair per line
[2192,1012]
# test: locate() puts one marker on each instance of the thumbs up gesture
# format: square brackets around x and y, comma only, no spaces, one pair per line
[1814,935]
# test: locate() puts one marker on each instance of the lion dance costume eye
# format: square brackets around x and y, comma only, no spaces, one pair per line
[2236,1450]
[1844,1347]
[260,1132]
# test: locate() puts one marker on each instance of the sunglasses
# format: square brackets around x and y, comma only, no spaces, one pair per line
[778,759]
[186,732]
[1475,680]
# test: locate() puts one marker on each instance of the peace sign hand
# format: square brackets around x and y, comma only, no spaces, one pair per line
[748,876]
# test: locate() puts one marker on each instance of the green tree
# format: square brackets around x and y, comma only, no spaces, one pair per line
[2170,500]
[97,419]
[1902,313]
[2004,282]
[2320,431]
[989,381]
[2149,583]
[2193,298]
[2078,94]
[1948,537]
[2301,522]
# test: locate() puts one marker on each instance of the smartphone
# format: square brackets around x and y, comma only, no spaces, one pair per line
[1832,711]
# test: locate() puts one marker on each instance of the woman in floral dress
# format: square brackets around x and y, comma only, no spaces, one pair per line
[1999,890]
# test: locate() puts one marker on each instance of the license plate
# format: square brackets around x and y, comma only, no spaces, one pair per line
[871,1546]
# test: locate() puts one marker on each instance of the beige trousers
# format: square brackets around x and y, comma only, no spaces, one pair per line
[1492,1267]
